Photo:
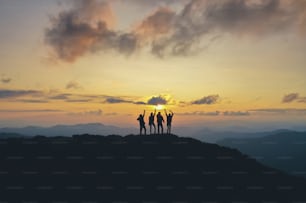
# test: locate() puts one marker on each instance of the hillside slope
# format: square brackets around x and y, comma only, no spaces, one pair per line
[284,150]
[136,169]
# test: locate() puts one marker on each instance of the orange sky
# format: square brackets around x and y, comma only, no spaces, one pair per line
[106,61]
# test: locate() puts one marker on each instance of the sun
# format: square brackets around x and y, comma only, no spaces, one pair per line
[159,107]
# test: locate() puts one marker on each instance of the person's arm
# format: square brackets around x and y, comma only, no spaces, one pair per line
[154,112]
[144,113]
[166,112]
[172,113]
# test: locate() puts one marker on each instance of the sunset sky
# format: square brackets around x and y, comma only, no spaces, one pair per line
[209,61]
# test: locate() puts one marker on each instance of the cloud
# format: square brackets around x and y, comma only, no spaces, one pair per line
[290,97]
[60,97]
[200,113]
[211,99]
[293,97]
[88,27]
[98,112]
[302,100]
[5,94]
[215,113]
[6,80]
[156,24]
[236,113]
[73,85]
[116,100]
[30,110]
[155,100]
[280,110]
[39,101]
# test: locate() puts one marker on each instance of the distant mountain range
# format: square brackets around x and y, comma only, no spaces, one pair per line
[213,136]
[282,150]
[67,130]
[157,168]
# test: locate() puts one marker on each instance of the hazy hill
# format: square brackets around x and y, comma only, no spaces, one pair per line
[136,169]
[213,136]
[284,150]
[69,130]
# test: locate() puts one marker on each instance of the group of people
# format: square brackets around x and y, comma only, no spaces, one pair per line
[160,121]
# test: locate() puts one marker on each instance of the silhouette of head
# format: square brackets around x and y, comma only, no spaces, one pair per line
[151,114]
[158,113]
[140,115]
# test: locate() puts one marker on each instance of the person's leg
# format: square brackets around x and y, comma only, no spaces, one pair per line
[150,129]
[162,128]
[154,128]
[145,130]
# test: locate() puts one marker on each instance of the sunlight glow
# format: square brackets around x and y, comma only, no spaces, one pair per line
[159,107]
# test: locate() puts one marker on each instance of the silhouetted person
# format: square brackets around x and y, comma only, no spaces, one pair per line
[169,121]
[142,123]
[160,121]
[151,122]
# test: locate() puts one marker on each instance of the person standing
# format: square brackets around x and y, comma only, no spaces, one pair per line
[160,121]
[151,121]
[142,124]
[169,121]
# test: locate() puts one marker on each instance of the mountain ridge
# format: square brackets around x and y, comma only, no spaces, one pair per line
[133,168]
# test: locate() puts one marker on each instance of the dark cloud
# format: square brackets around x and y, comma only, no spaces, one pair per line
[87,27]
[157,100]
[6,80]
[73,85]
[236,113]
[211,99]
[158,23]
[116,100]
[140,103]
[4,93]
[290,97]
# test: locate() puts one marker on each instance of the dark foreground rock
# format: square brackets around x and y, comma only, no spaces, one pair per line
[136,169]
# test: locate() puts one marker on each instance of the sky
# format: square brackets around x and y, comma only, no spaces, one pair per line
[231,62]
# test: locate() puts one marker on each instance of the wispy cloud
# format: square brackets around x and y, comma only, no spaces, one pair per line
[290,97]
[293,97]
[236,113]
[32,101]
[6,80]
[210,99]
[30,110]
[73,85]
[97,112]
[279,110]
[200,113]
[4,93]
[116,100]
[215,113]
[88,26]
